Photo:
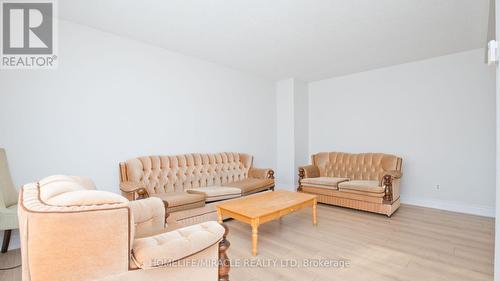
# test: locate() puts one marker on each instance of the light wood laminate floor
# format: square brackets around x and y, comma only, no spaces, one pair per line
[415,244]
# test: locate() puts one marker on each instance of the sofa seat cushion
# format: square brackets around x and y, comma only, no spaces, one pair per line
[162,249]
[252,185]
[326,182]
[330,195]
[216,193]
[365,186]
[179,201]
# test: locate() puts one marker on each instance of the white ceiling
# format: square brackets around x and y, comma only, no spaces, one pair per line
[305,39]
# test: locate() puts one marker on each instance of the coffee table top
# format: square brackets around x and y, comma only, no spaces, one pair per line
[259,205]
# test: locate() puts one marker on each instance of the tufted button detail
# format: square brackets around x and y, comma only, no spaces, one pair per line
[369,166]
[171,173]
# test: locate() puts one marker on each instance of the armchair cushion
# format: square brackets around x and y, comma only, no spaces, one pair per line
[251,185]
[179,201]
[207,271]
[326,182]
[149,216]
[160,250]
[85,198]
[368,186]
[70,191]
[215,193]
[56,185]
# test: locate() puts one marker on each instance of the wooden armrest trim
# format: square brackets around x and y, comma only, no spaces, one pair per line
[270,174]
[137,189]
[387,183]
[302,175]
[305,171]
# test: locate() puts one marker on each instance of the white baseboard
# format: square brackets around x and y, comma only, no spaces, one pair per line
[479,210]
[486,211]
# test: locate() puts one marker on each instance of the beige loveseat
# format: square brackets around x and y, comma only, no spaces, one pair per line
[191,185]
[70,231]
[365,181]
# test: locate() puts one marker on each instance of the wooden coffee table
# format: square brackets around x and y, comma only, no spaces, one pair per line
[261,208]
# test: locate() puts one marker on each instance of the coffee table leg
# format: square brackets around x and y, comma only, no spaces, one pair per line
[255,233]
[219,215]
[315,212]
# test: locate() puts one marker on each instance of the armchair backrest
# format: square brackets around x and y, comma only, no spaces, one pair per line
[8,193]
[160,174]
[362,166]
[70,231]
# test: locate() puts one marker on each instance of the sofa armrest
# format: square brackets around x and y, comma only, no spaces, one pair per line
[149,216]
[394,174]
[133,190]
[309,171]
[390,182]
[164,249]
[395,189]
[261,173]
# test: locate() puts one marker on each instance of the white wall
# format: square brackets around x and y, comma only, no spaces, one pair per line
[113,98]
[438,114]
[496,5]
[301,128]
[292,131]
[497,170]
[285,147]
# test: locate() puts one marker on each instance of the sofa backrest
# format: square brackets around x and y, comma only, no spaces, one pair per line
[161,174]
[70,231]
[362,166]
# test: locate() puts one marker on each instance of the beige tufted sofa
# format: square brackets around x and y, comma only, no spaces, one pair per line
[365,181]
[190,185]
[70,231]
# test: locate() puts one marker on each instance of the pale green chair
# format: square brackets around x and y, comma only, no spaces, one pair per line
[8,202]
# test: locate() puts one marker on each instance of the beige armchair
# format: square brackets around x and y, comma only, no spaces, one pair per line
[8,202]
[71,231]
